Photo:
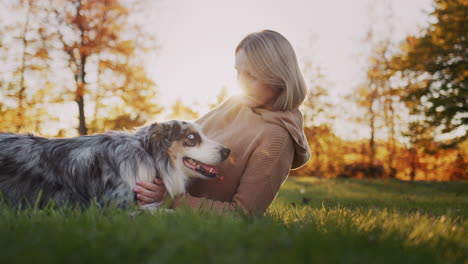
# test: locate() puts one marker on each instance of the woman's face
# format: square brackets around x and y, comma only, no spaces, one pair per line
[260,92]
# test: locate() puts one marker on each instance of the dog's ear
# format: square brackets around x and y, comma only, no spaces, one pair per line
[169,131]
[161,135]
[151,135]
[158,132]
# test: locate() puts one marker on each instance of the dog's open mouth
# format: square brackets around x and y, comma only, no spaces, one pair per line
[204,169]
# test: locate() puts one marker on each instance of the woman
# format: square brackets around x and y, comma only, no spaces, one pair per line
[263,129]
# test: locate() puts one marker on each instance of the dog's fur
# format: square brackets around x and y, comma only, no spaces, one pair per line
[102,168]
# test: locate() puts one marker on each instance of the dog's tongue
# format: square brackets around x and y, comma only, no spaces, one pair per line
[209,168]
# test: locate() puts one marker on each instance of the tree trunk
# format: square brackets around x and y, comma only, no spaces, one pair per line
[413,163]
[81,86]
[20,116]
[372,128]
[82,127]
[389,112]
[392,141]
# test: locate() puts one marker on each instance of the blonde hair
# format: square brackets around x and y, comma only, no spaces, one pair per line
[272,60]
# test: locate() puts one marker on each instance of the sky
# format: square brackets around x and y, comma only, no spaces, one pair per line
[197,39]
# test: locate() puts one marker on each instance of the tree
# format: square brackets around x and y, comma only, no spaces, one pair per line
[366,97]
[317,107]
[435,67]
[459,169]
[124,96]
[181,111]
[378,95]
[95,41]
[388,98]
[82,34]
[92,35]
[327,152]
[27,51]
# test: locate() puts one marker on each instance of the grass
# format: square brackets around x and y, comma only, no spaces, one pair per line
[311,221]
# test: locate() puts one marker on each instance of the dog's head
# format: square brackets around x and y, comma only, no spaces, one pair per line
[185,147]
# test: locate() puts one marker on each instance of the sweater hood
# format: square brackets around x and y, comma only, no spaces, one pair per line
[293,122]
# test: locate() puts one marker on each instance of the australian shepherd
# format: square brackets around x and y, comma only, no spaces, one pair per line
[104,168]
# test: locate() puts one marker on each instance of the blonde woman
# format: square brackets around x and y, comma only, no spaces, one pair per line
[263,129]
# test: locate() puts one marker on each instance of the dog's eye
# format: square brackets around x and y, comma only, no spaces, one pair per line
[191,136]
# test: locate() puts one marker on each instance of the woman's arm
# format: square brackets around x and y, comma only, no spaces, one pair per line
[267,168]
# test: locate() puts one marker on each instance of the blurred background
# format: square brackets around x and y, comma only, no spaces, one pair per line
[388,95]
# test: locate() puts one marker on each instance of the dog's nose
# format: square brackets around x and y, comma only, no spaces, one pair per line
[225,153]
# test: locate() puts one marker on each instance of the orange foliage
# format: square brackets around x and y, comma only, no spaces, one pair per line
[333,157]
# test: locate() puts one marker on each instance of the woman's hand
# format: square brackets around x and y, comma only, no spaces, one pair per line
[148,193]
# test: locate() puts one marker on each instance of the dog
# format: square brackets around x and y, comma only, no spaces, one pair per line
[104,168]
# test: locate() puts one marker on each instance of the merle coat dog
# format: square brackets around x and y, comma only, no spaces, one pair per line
[104,168]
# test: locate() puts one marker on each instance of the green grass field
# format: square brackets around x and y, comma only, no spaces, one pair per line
[311,221]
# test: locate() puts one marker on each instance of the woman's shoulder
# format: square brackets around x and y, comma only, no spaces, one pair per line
[220,110]
[234,100]
[274,136]
[231,104]
[273,130]
[288,122]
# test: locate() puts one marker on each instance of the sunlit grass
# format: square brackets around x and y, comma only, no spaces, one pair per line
[311,221]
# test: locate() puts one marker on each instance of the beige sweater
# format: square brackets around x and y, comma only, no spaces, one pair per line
[264,145]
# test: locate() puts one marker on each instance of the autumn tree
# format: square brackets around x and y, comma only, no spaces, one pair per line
[123,91]
[96,44]
[387,95]
[327,152]
[318,112]
[366,97]
[181,111]
[317,108]
[94,36]
[80,26]
[377,96]
[26,47]
[124,96]
[435,66]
